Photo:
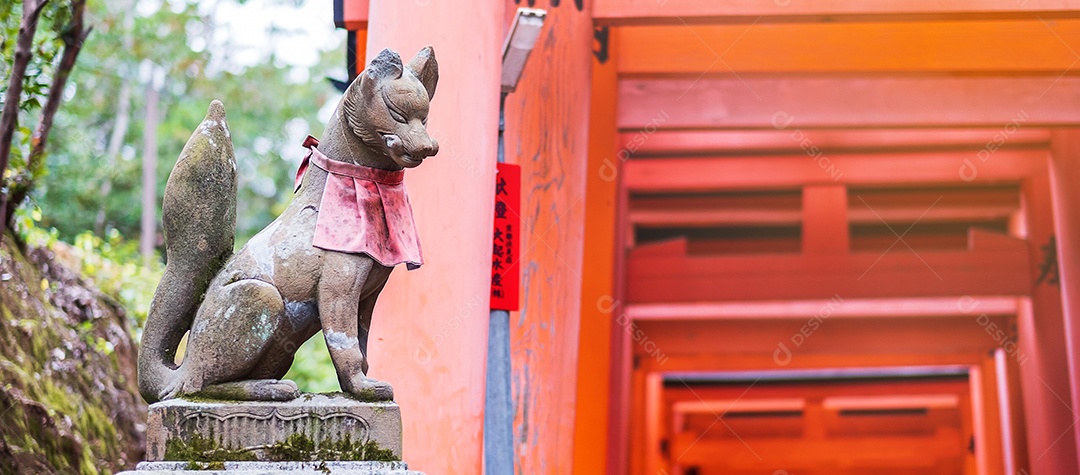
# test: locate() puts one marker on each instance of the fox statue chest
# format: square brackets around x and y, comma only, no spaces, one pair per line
[283,254]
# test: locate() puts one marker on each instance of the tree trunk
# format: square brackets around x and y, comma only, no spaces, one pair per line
[74,34]
[9,118]
[148,235]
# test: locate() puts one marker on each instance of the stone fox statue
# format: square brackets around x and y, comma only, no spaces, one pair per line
[318,266]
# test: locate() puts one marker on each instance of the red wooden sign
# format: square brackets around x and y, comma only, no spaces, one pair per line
[505,273]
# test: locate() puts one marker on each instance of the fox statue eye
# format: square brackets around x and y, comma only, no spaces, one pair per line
[395,113]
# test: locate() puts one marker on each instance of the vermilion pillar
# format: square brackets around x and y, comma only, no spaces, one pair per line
[547,124]
[1044,372]
[598,301]
[1064,181]
[430,326]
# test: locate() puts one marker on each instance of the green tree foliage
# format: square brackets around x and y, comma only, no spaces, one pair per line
[46,46]
[270,109]
[265,109]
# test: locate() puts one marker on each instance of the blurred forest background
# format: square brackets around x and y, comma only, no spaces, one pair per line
[141,84]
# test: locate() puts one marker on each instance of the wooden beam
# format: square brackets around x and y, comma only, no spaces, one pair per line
[673,143]
[819,389]
[898,273]
[765,361]
[793,171]
[814,334]
[868,452]
[1000,47]
[862,308]
[725,217]
[1003,103]
[755,404]
[677,12]
[909,401]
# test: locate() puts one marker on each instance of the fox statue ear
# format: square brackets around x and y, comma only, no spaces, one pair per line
[387,65]
[426,69]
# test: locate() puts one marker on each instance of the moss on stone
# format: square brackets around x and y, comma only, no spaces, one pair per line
[299,447]
[205,452]
[204,449]
[192,465]
[368,395]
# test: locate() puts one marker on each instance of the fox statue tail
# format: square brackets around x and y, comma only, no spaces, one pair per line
[199,219]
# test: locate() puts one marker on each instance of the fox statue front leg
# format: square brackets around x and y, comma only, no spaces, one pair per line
[360,276]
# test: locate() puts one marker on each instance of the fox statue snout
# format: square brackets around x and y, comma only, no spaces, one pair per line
[411,154]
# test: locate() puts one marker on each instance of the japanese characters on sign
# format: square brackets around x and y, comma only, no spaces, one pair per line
[505,273]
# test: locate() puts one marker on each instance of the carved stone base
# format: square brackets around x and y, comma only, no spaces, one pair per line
[311,427]
[273,468]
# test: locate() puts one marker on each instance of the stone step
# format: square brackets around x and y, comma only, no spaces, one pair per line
[272,468]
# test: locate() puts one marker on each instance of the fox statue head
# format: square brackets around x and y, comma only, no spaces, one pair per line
[386,108]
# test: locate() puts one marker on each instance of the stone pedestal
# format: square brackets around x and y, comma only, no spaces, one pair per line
[272,468]
[310,434]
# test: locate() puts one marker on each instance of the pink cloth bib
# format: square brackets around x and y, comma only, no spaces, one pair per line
[363,211]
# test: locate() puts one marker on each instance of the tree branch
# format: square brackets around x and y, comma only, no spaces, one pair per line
[9,118]
[73,35]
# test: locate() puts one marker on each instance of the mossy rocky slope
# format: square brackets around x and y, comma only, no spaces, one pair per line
[68,394]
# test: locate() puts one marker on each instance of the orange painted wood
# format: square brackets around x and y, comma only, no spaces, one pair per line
[355,17]
[1003,47]
[856,102]
[548,135]
[864,452]
[1064,172]
[430,326]
[598,301]
[986,409]
[622,343]
[765,361]
[839,336]
[361,48]
[677,12]
[1045,374]
[677,393]
[636,433]
[811,411]
[825,220]
[793,171]
[1013,427]
[654,423]
[862,206]
[673,143]
[897,273]
[862,308]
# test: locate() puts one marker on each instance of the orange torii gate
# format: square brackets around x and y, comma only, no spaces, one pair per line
[745,114]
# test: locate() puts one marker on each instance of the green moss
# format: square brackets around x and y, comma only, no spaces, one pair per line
[299,447]
[193,465]
[204,449]
[368,395]
[205,452]
[67,404]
